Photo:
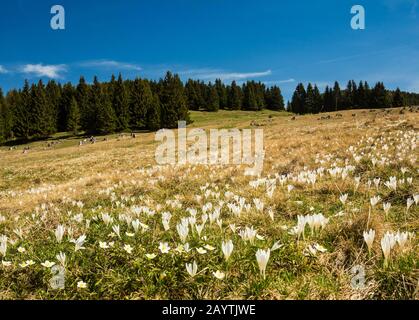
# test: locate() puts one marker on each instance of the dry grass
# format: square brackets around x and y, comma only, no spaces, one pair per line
[44,184]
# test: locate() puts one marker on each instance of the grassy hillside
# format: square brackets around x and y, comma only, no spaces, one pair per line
[331,170]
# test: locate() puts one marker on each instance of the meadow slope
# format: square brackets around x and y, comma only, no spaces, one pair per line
[122,227]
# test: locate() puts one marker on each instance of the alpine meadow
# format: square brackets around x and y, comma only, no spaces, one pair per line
[289,145]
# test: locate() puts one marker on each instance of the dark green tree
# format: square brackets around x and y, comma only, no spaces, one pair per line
[213,101]
[398,100]
[73,121]
[173,101]
[234,97]
[42,112]
[337,96]
[222,94]
[298,100]
[120,101]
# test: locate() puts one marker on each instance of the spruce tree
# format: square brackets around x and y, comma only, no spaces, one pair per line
[235,97]
[398,100]
[42,120]
[22,113]
[250,101]
[87,116]
[73,121]
[222,94]
[142,104]
[153,121]
[317,100]
[274,99]
[64,106]
[101,103]
[120,100]
[337,96]
[329,104]
[310,100]
[298,100]
[2,117]
[213,101]
[173,101]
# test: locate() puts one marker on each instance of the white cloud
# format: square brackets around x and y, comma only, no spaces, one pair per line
[3,69]
[212,74]
[291,80]
[40,70]
[110,64]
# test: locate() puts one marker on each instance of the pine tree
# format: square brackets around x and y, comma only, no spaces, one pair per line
[120,100]
[317,100]
[222,94]
[329,103]
[192,95]
[142,105]
[274,99]
[173,101]
[250,101]
[380,97]
[3,132]
[310,100]
[42,120]
[298,100]
[337,96]
[154,114]
[64,106]
[53,92]
[87,119]
[101,103]
[73,121]
[234,97]
[22,112]
[398,100]
[213,103]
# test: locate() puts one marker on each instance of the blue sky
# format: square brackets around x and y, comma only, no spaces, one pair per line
[276,42]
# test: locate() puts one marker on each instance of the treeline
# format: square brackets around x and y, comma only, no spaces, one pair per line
[39,110]
[252,96]
[361,96]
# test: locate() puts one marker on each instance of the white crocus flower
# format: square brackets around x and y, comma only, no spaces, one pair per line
[61,257]
[183,231]
[227,248]
[150,256]
[343,198]
[59,233]
[117,230]
[219,275]
[136,225]
[128,248]
[386,207]
[409,203]
[369,238]
[374,201]
[164,247]
[262,258]
[48,264]
[192,269]
[387,244]
[3,246]
[79,242]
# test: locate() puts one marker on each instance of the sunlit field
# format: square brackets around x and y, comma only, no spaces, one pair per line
[334,214]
